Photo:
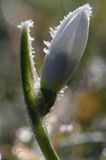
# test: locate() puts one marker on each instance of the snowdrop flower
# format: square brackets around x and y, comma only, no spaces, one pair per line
[66,49]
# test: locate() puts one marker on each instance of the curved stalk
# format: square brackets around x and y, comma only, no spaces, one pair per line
[42,138]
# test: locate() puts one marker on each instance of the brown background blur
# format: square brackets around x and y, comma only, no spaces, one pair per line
[77,124]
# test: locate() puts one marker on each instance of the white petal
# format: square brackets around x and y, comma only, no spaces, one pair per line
[66,49]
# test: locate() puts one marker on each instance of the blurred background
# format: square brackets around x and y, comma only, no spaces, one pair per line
[77,124]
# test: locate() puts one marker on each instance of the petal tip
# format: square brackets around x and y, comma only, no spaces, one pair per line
[88,9]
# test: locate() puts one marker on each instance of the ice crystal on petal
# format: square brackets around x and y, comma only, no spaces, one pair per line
[61,93]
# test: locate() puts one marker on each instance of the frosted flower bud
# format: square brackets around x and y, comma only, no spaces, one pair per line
[66,49]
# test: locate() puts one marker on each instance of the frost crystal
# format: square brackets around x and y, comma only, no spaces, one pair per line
[27,25]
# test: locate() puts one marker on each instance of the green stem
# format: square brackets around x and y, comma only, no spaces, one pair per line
[42,137]
[33,95]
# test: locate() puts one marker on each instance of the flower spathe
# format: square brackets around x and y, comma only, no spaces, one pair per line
[66,49]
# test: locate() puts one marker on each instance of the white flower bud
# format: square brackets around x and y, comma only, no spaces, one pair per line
[66,49]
